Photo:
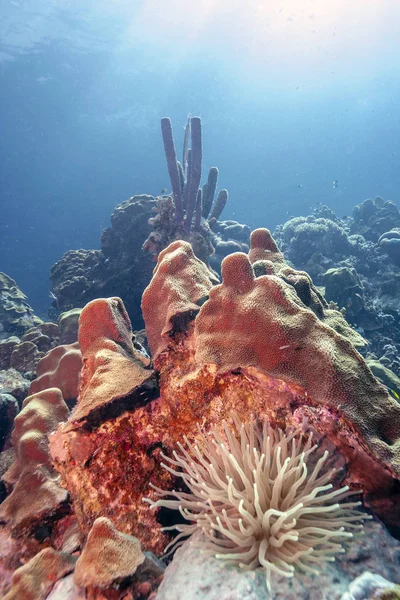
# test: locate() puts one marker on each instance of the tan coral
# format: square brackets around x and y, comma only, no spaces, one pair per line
[180,283]
[266,259]
[112,368]
[60,368]
[34,580]
[35,498]
[116,382]
[264,248]
[25,356]
[68,326]
[108,557]
[33,346]
[41,413]
[36,493]
[267,327]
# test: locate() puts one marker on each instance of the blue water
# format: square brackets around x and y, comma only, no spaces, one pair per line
[293,95]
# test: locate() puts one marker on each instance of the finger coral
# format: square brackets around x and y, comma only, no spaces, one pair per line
[261,500]
[189,212]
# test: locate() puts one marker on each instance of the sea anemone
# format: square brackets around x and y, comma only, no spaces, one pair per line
[257,501]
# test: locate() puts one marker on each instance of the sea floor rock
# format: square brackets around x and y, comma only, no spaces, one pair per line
[12,382]
[370,586]
[8,411]
[195,576]
[66,589]
[16,316]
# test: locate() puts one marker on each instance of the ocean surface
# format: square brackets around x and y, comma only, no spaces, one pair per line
[299,101]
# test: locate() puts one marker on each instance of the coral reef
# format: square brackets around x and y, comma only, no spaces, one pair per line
[352,265]
[116,381]
[390,243]
[68,326]
[385,376]
[372,218]
[35,353]
[73,275]
[8,411]
[369,585]
[269,343]
[16,316]
[304,235]
[32,347]
[114,374]
[24,338]
[228,237]
[183,284]
[121,267]
[251,345]
[12,382]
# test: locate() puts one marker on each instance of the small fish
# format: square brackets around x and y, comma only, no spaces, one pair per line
[335,184]
[163,191]
[284,347]
[389,390]
[299,185]
[52,296]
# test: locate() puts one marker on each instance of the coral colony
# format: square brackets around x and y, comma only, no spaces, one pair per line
[190,213]
[243,417]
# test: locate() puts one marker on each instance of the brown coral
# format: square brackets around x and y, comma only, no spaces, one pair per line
[108,557]
[112,369]
[262,323]
[181,282]
[59,368]
[34,580]
[104,437]
[40,415]
[36,493]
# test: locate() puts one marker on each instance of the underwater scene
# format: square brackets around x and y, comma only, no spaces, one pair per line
[199,300]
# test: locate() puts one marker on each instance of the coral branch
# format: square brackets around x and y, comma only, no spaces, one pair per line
[209,191]
[199,210]
[219,205]
[170,153]
[186,147]
[195,175]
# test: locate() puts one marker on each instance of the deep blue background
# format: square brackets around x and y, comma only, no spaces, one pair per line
[302,102]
